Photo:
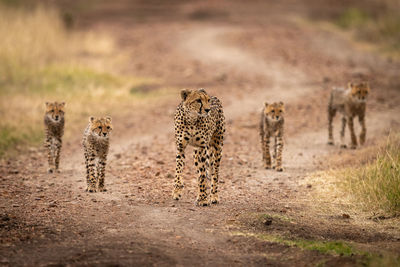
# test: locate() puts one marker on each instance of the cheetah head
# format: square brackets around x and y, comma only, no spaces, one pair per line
[359,92]
[196,102]
[100,127]
[274,111]
[55,111]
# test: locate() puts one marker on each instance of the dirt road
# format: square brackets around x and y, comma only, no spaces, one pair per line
[244,58]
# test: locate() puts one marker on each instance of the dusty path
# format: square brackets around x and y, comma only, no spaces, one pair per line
[53,221]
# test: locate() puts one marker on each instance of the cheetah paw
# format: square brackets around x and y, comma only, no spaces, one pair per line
[177,194]
[343,146]
[102,189]
[331,143]
[90,189]
[279,169]
[214,199]
[50,170]
[353,146]
[267,166]
[202,203]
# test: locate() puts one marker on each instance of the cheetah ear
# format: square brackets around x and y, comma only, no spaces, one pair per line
[350,85]
[108,119]
[91,119]
[202,90]
[282,106]
[266,104]
[367,86]
[185,93]
[47,104]
[62,104]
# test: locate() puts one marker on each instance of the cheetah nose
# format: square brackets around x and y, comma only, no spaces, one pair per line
[57,117]
[105,134]
[207,110]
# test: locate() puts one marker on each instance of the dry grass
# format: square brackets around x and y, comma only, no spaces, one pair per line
[376,184]
[369,189]
[42,61]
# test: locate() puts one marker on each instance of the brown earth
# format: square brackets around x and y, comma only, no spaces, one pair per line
[244,54]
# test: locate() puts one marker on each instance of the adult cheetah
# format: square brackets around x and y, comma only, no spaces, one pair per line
[200,122]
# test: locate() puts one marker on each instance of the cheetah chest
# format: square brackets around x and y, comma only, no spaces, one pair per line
[197,137]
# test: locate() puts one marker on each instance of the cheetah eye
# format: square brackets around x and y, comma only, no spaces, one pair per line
[52,110]
[273,111]
[99,127]
[108,127]
[198,100]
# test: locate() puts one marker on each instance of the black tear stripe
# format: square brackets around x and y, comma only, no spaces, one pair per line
[201,106]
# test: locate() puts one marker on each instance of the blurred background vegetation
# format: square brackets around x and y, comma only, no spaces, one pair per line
[373,21]
[41,60]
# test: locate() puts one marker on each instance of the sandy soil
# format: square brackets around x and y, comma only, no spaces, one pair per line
[245,55]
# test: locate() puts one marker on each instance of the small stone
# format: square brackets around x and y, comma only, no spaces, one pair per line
[309,186]
[345,216]
[267,222]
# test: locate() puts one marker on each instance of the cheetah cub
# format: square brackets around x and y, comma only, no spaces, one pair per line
[271,125]
[95,145]
[199,122]
[54,128]
[350,102]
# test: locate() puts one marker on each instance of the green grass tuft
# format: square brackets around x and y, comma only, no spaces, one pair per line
[352,17]
[326,247]
[275,217]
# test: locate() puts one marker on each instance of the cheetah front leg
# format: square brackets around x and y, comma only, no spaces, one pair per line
[361,119]
[215,161]
[200,160]
[352,134]
[342,133]
[278,153]
[58,145]
[101,168]
[331,115]
[180,163]
[50,158]
[90,172]
[266,153]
